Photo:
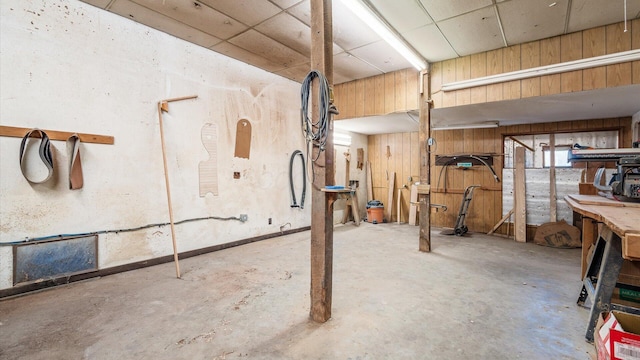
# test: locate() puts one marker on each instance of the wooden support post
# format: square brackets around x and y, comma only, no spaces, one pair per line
[424,133]
[520,199]
[322,218]
[504,218]
[553,209]
[369,182]
[390,187]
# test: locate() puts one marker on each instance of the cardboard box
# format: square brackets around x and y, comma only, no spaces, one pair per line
[617,336]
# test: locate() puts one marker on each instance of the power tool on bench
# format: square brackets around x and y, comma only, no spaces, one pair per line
[626,183]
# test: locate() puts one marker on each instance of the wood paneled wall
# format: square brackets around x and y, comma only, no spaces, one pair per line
[579,45]
[394,152]
[377,95]
[486,207]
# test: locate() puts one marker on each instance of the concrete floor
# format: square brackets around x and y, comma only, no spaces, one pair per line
[477,297]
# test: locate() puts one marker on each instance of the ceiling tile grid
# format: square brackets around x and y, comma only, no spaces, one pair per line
[275,34]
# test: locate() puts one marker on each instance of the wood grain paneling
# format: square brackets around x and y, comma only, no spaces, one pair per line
[369,96]
[413,89]
[448,75]
[350,108]
[511,55]
[389,92]
[571,49]
[635,44]
[618,40]
[550,54]
[400,90]
[530,59]
[479,69]
[379,105]
[594,44]
[486,207]
[463,72]
[404,161]
[494,66]
[359,97]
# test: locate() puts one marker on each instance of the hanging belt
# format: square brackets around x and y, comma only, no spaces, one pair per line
[75,165]
[45,154]
[304,179]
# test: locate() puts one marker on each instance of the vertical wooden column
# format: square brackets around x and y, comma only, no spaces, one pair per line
[553,205]
[520,196]
[425,162]
[322,213]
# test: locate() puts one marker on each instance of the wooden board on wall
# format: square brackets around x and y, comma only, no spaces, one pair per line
[519,193]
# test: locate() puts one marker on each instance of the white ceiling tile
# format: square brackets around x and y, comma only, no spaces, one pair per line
[349,32]
[197,15]
[473,32]
[268,48]
[525,20]
[587,14]
[302,11]
[285,4]
[382,56]
[295,73]
[160,22]
[430,43]
[289,31]
[98,3]
[351,68]
[403,15]
[445,9]
[245,56]
[249,12]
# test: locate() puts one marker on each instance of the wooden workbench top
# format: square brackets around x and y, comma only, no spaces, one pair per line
[620,219]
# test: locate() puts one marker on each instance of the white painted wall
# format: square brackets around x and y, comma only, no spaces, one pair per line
[65,65]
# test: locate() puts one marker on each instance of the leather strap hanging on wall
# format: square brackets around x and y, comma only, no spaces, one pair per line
[76,180]
[45,154]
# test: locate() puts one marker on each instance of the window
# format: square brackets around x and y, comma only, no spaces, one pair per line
[561,152]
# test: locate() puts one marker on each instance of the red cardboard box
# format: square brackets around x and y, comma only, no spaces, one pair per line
[617,336]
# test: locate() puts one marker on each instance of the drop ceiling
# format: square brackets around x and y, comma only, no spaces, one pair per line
[275,35]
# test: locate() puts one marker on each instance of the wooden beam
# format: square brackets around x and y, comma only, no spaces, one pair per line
[424,133]
[20,132]
[390,187]
[504,218]
[322,218]
[369,182]
[553,205]
[522,144]
[519,194]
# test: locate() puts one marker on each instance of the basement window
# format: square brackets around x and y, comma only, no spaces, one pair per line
[560,156]
[537,155]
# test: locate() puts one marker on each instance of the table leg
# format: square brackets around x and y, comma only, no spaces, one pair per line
[611,263]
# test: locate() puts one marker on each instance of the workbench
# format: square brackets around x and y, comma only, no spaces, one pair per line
[351,198]
[620,222]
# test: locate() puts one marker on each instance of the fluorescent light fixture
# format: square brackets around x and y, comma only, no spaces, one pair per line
[468,126]
[341,139]
[366,13]
[610,59]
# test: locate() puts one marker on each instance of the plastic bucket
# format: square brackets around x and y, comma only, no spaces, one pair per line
[375,215]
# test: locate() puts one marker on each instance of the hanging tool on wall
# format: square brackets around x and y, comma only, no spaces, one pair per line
[243,139]
[456,159]
[76,179]
[294,204]
[163,105]
[45,155]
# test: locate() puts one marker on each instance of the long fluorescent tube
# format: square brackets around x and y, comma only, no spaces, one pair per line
[610,59]
[469,126]
[341,139]
[371,17]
